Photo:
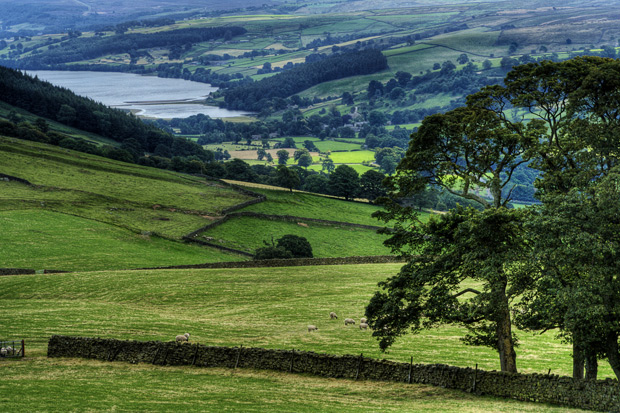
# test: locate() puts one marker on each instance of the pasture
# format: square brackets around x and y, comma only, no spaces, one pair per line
[259,307]
[41,384]
[333,240]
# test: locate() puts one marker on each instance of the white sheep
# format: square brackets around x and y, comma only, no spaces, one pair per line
[9,349]
[348,321]
[333,315]
[3,352]
[363,326]
[184,337]
[312,328]
[363,320]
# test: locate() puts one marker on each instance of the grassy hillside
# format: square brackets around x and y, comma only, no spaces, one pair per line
[86,212]
[268,307]
[83,212]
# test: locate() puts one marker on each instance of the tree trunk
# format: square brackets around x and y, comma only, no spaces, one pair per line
[505,345]
[612,353]
[591,367]
[578,361]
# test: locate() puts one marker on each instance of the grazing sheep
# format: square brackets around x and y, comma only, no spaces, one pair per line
[184,337]
[333,315]
[348,321]
[9,349]
[363,326]
[312,328]
[363,320]
[3,352]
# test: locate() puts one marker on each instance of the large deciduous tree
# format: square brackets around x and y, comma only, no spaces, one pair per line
[573,231]
[471,153]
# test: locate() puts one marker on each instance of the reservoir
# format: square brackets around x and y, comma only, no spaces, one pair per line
[146,96]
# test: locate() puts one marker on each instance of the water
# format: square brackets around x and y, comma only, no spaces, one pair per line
[146,96]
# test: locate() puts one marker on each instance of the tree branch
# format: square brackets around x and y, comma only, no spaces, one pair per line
[467,290]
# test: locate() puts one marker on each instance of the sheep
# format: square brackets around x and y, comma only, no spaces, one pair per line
[363,320]
[333,315]
[9,349]
[312,328]
[348,321]
[184,337]
[363,326]
[3,352]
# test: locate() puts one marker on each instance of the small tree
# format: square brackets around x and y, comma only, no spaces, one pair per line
[288,246]
[283,156]
[287,177]
[327,165]
[289,143]
[261,154]
[344,181]
[298,246]
[462,59]
[371,184]
[305,160]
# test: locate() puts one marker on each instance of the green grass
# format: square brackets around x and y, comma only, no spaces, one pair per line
[326,145]
[353,156]
[57,167]
[260,307]
[248,233]
[90,213]
[314,206]
[40,239]
[69,385]
[359,168]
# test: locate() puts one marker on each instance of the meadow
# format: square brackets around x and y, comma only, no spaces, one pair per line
[258,307]
[84,212]
[248,233]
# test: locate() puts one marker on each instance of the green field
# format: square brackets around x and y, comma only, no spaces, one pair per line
[42,384]
[326,145]
[314,206]
[268,307]
[41,239]
[61,168]
[89,213]
[247,234]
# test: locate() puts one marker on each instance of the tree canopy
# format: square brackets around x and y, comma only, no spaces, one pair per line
[557,257]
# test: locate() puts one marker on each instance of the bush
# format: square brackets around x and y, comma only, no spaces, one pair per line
[298,246]
[267,253]
[289,246]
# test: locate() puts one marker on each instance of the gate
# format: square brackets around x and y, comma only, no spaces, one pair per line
[12,348]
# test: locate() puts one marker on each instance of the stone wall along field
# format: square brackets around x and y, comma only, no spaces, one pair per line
[602,395]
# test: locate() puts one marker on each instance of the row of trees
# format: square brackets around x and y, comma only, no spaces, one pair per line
[553,266]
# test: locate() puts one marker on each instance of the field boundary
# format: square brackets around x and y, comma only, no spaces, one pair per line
[23,271]
[289,262]
[602,395]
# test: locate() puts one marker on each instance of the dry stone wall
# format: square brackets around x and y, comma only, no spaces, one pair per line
[290,262]
[601,395]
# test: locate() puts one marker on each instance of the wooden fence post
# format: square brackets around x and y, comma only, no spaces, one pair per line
[238,354]
[155,356]
[359,363]
[195,354]
[473,389]
[290,367]
[410,369]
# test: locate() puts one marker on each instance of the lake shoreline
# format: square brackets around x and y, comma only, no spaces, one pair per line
[148,97]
